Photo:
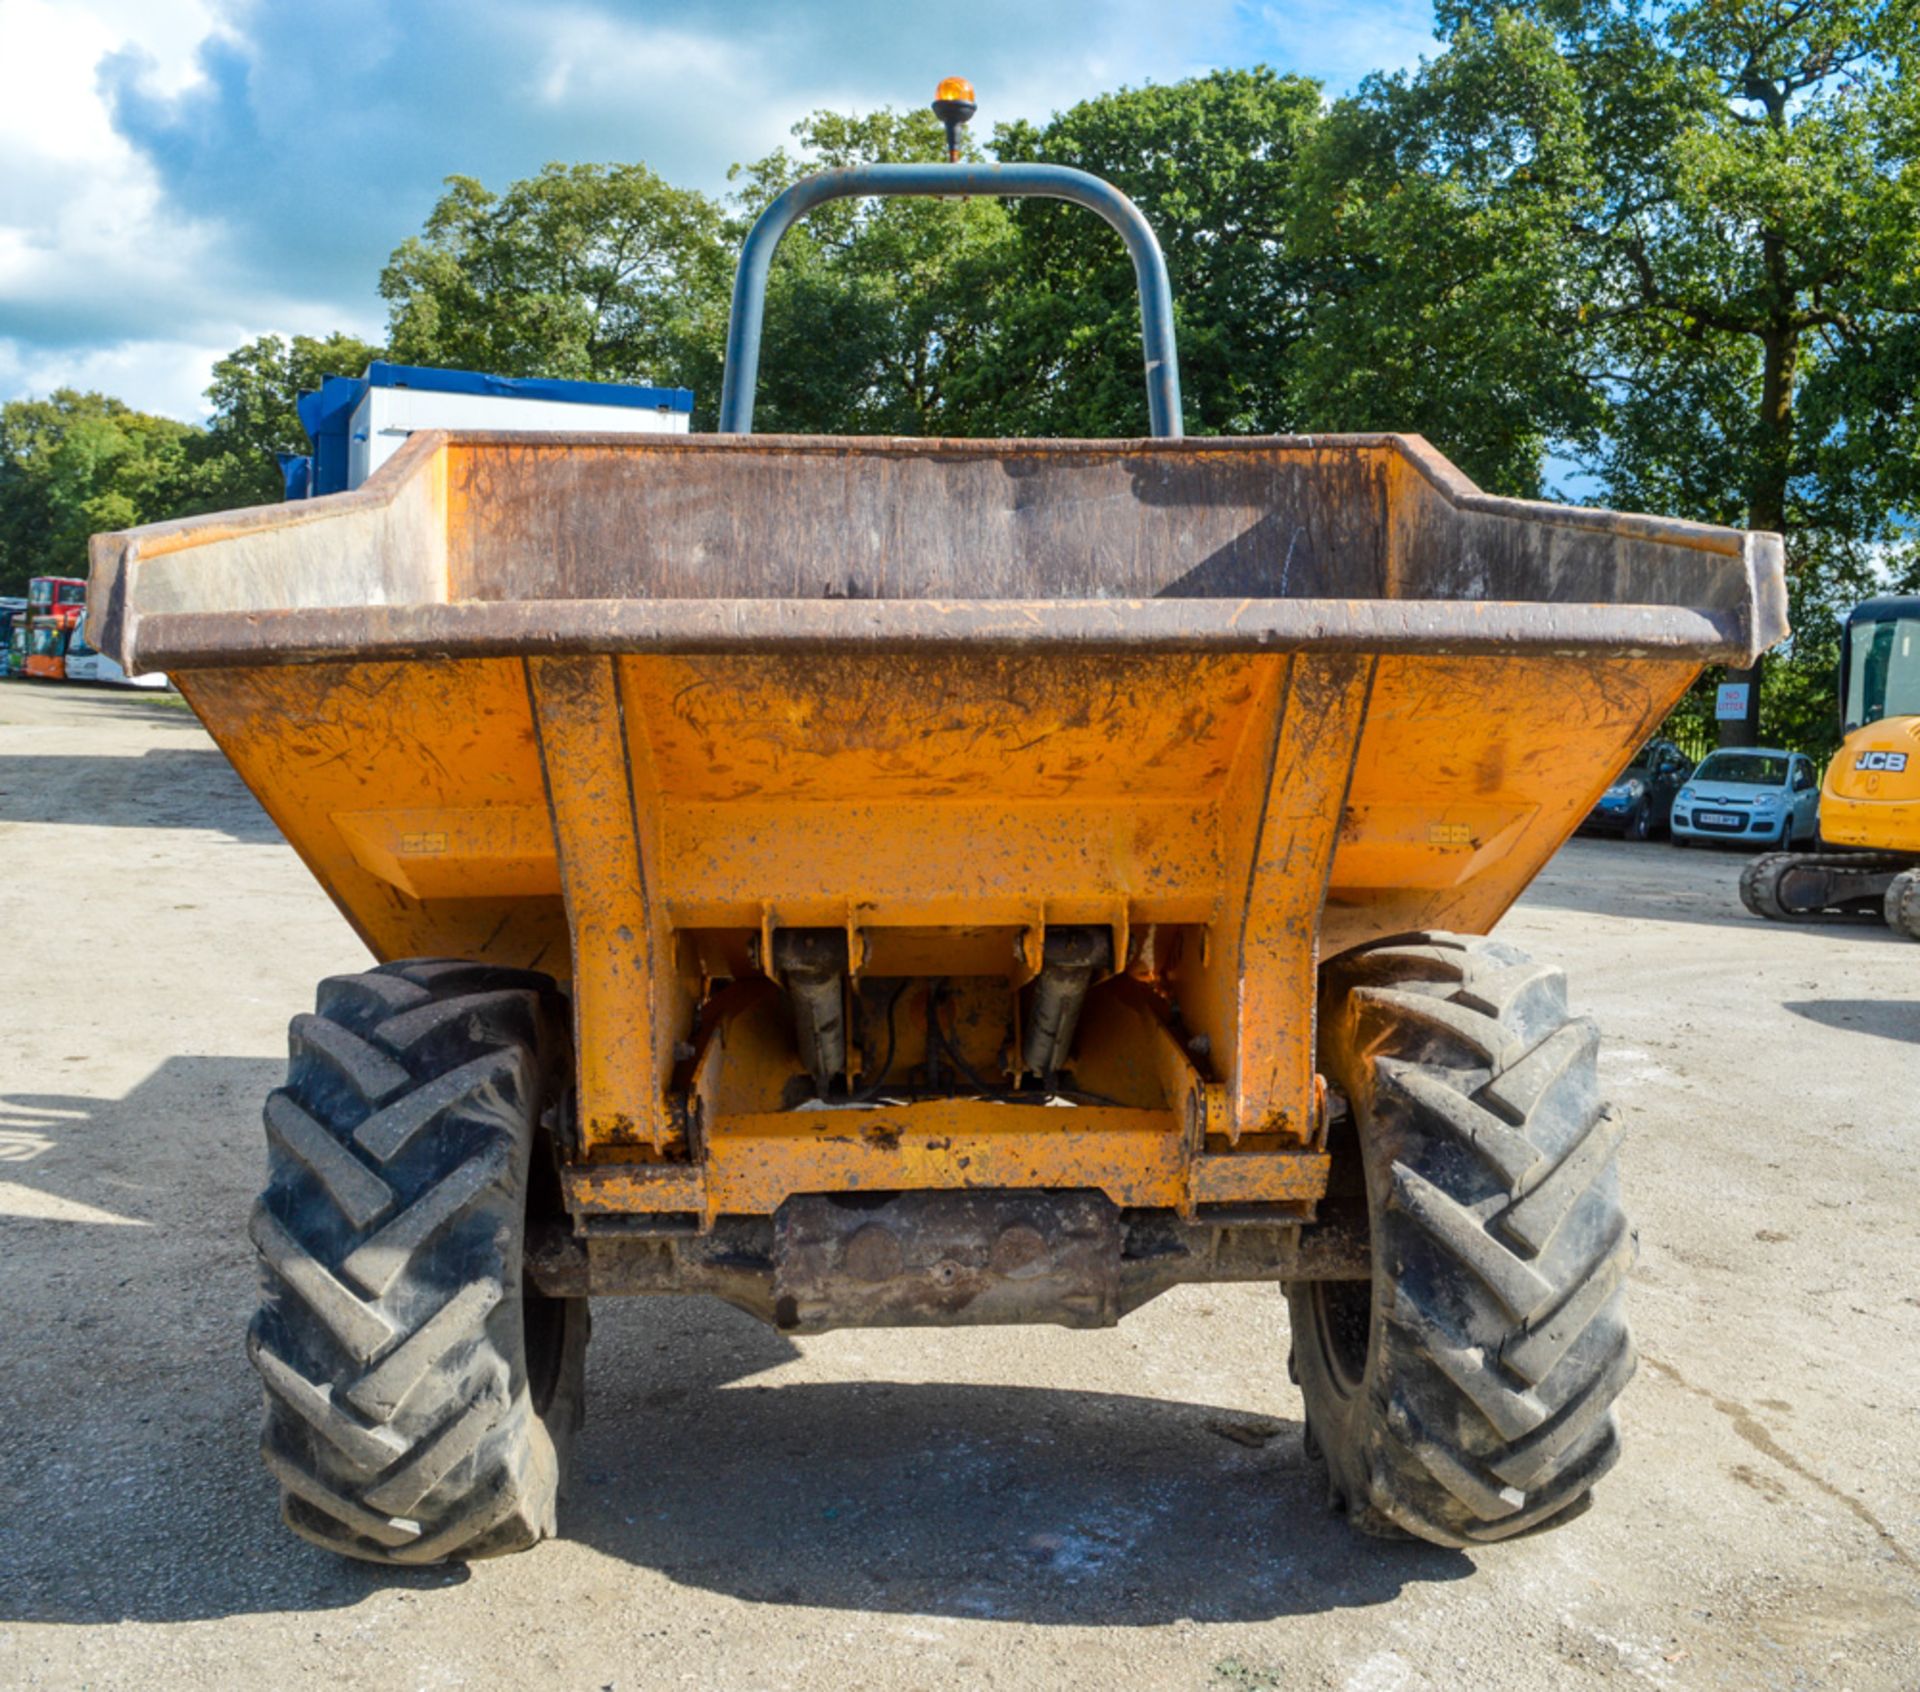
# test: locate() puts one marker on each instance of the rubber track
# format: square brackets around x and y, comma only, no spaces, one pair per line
[1503,1341]
[1760,879]
[1903,904]
[387,1240]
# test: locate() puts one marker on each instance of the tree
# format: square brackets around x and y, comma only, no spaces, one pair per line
[1434,218]
[253,395]
[1753,263]
[1212,163]
[599,272]
[880,313]
[74,464]
[1718,203]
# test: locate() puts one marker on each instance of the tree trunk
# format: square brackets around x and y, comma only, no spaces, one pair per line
[1767,503]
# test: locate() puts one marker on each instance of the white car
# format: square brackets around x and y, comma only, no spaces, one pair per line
[86,664]
[1759,796]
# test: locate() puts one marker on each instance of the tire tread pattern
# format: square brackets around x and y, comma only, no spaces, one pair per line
[400,1421]
[1498,1342]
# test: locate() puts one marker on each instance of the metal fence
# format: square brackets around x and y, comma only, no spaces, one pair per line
[1692,733]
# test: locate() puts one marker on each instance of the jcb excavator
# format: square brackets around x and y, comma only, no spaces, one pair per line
[1870,807]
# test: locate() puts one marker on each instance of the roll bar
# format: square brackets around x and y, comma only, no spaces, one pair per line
[951,181]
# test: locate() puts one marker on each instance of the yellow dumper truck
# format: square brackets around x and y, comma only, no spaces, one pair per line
[885,882]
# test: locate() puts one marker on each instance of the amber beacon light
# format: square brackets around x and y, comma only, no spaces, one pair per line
[953,105]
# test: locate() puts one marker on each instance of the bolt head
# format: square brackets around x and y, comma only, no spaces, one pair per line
[1019,1252]
[873,1254]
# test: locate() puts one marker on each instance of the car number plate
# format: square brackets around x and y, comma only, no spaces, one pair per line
[1719,819]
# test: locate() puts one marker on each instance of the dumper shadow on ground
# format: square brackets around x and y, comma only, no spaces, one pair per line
[985,1501]
[130,1488]
[165,787]
[130,1485]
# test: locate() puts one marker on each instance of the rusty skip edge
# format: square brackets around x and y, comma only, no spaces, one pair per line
[147,640]
[1438,628]
[423,446]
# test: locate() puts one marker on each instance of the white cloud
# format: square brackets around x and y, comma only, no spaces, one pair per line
[595,57]
[177,176]
[103,282]
[162,376]
[713,98]
[82,214]
[646,77]
[159,374]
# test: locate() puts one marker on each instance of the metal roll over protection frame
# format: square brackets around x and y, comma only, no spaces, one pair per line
[952,181]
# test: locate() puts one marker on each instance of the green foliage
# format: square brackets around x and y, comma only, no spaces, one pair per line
[1826,577]
[1828,574]
[1434,212]
[1679,239]
[1213,163]
[1674,241]
[980,317]
[73,464]
[1761,263]
[595,272]
[880,313]
[253,395]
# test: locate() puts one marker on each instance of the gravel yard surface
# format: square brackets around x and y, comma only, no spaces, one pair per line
[982,1508]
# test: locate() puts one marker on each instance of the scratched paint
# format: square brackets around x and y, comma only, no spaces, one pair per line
[1241,705]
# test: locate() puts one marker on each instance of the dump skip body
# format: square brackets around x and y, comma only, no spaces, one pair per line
[628,712]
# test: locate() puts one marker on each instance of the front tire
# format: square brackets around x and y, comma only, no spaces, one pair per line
[419,1396]
[1466,1393]
[1640,824]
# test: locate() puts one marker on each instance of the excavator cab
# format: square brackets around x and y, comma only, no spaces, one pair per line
[1869,857]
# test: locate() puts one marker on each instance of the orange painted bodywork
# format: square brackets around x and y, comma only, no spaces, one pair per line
[1866,804]
[639,712]
[1227,818]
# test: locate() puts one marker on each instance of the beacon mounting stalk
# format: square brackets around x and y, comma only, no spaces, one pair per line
[953,105]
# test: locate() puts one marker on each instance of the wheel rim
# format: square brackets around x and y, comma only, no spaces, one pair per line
[544,1336]
[543,1331]
[1342,1311]
[1343,1330]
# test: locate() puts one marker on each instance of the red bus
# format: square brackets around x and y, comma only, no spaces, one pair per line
[61,598]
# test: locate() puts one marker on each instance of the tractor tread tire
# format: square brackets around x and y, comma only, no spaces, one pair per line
[1476,1397]
[418,1397]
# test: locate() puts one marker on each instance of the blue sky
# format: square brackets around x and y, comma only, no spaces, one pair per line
[177,176]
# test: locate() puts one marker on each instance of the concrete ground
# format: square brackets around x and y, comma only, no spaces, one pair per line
[996,1508]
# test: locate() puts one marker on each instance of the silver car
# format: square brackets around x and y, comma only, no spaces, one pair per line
[1756,796]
